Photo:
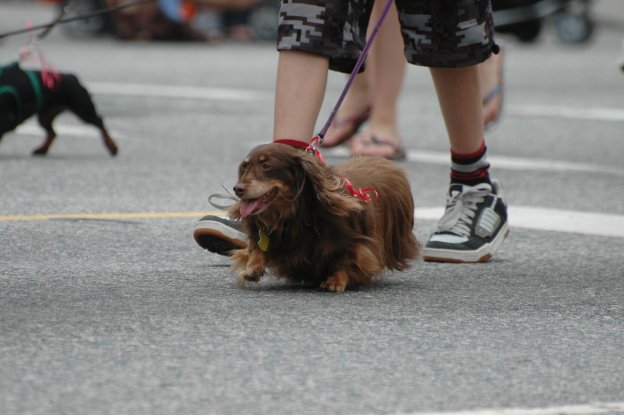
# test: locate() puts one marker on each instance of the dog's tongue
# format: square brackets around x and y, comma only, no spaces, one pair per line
[248,207]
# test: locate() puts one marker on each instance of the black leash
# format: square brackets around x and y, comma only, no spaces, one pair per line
[60,19]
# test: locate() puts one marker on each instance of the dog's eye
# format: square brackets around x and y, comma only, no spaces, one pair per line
[266,166]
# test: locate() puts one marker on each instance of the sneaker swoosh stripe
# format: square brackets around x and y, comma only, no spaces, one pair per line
[488,221]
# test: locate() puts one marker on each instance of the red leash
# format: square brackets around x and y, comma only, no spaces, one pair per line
[302,145]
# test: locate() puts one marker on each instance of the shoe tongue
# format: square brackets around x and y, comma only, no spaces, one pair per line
[248,207]
[459,188]
[455,188]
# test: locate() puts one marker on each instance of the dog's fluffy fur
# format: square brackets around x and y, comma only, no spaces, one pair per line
[18,102]
[317,232]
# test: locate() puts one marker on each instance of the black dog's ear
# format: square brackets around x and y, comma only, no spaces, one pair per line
[320,187]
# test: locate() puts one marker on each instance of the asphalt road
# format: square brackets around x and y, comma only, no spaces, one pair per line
[120,312]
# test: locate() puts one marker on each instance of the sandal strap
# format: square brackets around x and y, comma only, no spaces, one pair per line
[398,150]
[353,120]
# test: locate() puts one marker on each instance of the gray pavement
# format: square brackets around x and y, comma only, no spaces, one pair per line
[125,314]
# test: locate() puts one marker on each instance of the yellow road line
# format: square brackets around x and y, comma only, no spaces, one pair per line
[108,216]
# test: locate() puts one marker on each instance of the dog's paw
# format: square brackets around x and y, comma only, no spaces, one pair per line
[111,147]
[336,283]
[247,275]
[40,151]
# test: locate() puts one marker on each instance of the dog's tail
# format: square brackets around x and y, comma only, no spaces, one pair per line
[402,246]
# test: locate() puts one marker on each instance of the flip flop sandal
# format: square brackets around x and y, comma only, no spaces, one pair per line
[354,122]
[496,91]
[398,152]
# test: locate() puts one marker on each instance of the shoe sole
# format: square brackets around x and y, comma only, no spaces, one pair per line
[218,238]
[483,254]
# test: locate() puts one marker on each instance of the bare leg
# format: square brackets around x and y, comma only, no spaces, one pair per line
[459,94]
[386,71]
[374,93]
[300,88]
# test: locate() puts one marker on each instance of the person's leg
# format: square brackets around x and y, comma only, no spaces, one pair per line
[475,221]
[374,94]
[313,37]
[386,71]
[300,88]
[459,95]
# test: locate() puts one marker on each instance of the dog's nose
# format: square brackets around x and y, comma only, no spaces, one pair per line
[239,189]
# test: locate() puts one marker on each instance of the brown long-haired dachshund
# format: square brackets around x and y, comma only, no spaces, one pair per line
[311,224]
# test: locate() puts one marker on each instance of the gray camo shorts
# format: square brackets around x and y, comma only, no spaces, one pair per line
[436,33]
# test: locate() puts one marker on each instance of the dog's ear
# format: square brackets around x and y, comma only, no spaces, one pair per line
[319,186]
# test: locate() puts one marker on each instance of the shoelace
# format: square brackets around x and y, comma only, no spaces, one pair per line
[222,196]
[460,210]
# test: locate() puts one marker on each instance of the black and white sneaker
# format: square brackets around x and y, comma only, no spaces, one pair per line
[473,227]
[219,235]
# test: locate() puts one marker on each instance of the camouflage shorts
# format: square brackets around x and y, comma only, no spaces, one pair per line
[436,33]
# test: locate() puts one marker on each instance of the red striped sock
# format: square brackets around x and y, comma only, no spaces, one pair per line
[470,169]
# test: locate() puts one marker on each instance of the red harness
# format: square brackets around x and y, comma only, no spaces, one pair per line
[362,194]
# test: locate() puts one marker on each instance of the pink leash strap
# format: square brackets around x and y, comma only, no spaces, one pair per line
[50,77]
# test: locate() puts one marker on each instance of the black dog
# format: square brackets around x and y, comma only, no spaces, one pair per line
[23,94]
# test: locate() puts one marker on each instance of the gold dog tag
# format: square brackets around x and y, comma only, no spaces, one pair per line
[263,240]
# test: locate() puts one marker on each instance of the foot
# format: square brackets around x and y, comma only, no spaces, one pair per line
[219,235]
[345,127]
[111,146]
[367,144]
[41,151]
[473,226]
[336,283]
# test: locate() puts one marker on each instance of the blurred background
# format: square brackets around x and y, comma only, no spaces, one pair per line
[243,20]
[188,20]
[125,314]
